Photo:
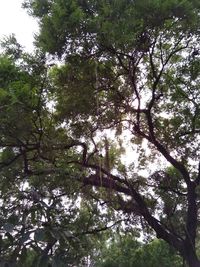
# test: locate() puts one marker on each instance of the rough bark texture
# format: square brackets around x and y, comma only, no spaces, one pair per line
[193,261]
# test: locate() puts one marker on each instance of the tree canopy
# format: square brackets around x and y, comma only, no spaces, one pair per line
[109,80]
[125,251]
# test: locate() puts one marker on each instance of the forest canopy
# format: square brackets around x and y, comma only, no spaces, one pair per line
[99,126]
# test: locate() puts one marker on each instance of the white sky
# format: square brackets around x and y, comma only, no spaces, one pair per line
[14,19]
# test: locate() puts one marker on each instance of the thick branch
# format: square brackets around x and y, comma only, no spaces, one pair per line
[152,138]
[141,208]
[192,217]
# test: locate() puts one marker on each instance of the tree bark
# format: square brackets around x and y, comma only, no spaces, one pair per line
[190,256]
[193,261]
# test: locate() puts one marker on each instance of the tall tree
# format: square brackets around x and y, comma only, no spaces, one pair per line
[125,251]
[129,68]
[42,221]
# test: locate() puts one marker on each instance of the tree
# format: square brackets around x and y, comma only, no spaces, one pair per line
[42,221]
[125,251]
[127,68]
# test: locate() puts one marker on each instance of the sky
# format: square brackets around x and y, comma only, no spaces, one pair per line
[14,19]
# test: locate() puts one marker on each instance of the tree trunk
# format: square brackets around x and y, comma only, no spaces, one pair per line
[192,261]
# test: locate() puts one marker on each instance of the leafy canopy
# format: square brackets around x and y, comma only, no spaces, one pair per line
[127,79]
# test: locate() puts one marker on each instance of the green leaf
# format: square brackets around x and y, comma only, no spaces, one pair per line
[8,227]
[25,238]
[39,235]
[57,262]
[43,261]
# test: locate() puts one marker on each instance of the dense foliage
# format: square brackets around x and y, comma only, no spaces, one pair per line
[38,214]
[125,251]
[109,81]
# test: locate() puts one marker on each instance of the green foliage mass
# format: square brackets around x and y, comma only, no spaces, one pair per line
[124,251]
[107,79]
